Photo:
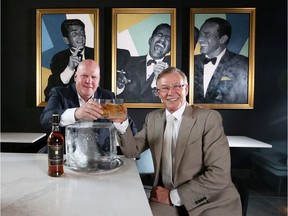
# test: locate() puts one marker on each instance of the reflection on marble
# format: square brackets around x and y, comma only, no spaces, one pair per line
[26,189]
[246,142]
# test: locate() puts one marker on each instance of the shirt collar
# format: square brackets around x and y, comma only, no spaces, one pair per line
[81,100]
[219,56]
[80,53]
[178,113]
[150,58]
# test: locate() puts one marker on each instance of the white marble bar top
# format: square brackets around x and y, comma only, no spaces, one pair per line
[26,189]
[246,142]
[20,137]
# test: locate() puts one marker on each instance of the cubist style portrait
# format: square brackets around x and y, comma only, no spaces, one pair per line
[221,60]
[67,39]
[143,51]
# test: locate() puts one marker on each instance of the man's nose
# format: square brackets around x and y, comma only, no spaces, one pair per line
[162,38]
[171,89]
[88,79]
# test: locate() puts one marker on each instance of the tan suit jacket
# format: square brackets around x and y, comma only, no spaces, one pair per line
[202,160]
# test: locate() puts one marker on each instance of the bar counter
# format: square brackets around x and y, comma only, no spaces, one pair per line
[26,189]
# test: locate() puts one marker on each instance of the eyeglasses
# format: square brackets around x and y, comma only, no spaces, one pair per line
[166,89]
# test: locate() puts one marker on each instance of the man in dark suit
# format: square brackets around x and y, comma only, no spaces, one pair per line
[123,57]
[75,101]
[64,63]
[142,71]
[220,76]
[198,179]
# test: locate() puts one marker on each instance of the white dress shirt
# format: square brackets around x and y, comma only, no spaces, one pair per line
[150,69]
[68,116]
[209,71]
[174,196]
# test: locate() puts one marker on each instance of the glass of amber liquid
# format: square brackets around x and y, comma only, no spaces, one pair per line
[112,108]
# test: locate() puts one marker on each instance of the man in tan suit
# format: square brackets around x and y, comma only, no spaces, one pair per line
[201,179]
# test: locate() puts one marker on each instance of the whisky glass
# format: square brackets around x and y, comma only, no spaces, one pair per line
[112,108]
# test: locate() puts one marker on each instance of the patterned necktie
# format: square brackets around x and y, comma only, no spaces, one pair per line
[166,167]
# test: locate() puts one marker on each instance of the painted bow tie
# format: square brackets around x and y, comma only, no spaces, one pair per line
[213,60]
[151,61]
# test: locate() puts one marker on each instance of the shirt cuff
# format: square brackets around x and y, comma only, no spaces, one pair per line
[122,127]
[67,117]
[119,91]
[66,75]
[174,197]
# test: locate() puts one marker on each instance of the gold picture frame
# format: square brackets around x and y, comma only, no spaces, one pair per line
[131,32]
[222,92]
[49,41]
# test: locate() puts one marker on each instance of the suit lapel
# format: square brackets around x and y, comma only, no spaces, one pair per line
[158,144]
[147,84]
[219,73]
[74,98]
[214,82]
[142,74]
[183,136]
[198,76]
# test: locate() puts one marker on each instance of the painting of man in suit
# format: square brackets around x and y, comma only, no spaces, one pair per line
[220,75]
[64,63]
[136,81]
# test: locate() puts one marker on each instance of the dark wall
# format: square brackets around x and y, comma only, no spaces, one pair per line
[267,121]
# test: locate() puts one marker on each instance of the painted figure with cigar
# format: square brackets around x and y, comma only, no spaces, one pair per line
[64,63]
[136,81]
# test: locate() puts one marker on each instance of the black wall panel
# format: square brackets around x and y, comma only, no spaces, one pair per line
[267,121]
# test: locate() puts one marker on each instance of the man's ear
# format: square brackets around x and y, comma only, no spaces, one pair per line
[223,39]
[66,40]
[187,89]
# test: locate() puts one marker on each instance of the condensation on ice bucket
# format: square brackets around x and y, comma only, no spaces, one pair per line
[91,146]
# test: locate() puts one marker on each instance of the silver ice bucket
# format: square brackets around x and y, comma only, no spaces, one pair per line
[91,146]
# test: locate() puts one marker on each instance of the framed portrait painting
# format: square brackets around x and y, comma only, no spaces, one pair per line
[143,44]
[222,53]
[64,37]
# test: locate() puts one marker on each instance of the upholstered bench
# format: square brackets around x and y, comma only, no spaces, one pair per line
[272,160]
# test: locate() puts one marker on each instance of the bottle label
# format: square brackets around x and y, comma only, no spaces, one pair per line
[55,155]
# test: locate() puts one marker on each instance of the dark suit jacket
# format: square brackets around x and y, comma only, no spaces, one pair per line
[202,160]
[139,90]
[123,57]
[229,83]
[62,98]
[58,64]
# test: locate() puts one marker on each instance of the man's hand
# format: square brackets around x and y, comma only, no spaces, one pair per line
[121,79]
[122,119]
[91,109]
[159,67]
[161,195]
[75,59]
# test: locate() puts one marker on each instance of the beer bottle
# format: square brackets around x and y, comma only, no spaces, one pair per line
[55,146]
